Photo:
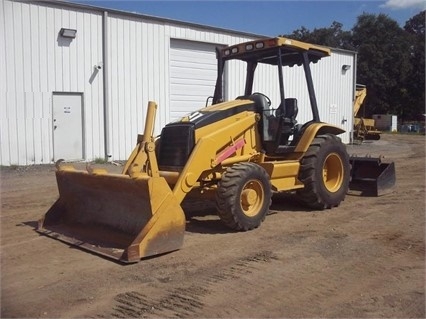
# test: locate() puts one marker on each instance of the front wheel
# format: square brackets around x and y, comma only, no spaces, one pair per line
[325,173]
[243,196]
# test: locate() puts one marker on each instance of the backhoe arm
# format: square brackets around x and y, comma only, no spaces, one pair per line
[360,95]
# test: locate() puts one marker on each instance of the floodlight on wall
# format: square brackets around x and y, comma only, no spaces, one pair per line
[345,67]
[68,33]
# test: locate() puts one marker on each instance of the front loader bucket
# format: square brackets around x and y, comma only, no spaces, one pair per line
[115,215]
[371,177]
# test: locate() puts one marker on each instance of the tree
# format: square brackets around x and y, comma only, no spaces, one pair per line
[391,60]
[383,62]
[415,106]
[334,36]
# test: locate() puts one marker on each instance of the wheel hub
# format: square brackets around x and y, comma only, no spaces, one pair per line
[332,172]
[251,198]
[248,197]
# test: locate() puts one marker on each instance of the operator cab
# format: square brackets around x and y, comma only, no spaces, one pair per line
[279,129]
[278,126]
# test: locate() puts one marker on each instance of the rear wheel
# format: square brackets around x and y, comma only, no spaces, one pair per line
[325,172]
[243,196]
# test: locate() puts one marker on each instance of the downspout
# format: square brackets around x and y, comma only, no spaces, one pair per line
[108,155]
[351,135]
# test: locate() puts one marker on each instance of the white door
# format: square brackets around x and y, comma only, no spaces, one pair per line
[192,76]
[68,126]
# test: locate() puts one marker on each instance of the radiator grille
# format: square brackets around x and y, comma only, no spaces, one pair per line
[176,144]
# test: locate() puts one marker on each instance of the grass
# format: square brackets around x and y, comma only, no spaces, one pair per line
[100,160]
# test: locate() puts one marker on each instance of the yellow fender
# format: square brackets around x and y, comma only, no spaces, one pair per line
[313,130]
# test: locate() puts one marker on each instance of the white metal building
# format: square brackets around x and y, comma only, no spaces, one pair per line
[83,95]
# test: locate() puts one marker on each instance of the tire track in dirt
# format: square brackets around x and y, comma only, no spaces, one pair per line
[364,300]
[398,244]
[257,274]
[187,300]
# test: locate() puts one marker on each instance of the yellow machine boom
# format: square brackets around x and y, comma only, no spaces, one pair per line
[364,128]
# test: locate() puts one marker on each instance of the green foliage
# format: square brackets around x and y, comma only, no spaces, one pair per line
[334,36]
[391,60]
[415,27]
[100,160]
[383,62]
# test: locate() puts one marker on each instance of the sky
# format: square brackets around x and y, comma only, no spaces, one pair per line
[269,18]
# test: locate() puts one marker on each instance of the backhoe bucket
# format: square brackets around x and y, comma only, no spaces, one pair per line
[115,215]
[371,177]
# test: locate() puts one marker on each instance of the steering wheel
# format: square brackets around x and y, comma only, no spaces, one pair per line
[267,98]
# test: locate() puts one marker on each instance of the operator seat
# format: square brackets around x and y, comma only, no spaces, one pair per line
[289,113]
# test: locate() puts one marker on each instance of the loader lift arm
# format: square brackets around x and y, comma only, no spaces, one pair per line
[144,152]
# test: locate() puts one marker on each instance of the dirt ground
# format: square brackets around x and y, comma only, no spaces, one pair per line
[364,259]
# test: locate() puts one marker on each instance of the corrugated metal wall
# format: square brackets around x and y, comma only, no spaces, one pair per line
[334,89]
[34,62]
[139,71]
[37,62]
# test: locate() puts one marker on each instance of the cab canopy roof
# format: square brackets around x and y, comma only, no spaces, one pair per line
[266,51]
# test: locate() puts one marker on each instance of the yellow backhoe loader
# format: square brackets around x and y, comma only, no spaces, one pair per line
[238,151]
[364,128]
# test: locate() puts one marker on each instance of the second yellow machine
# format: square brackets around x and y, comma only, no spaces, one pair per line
[238,152]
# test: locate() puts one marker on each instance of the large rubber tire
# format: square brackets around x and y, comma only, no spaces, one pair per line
[243,196]
[325,173]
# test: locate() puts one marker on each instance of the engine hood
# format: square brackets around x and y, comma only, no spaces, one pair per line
[214,113]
